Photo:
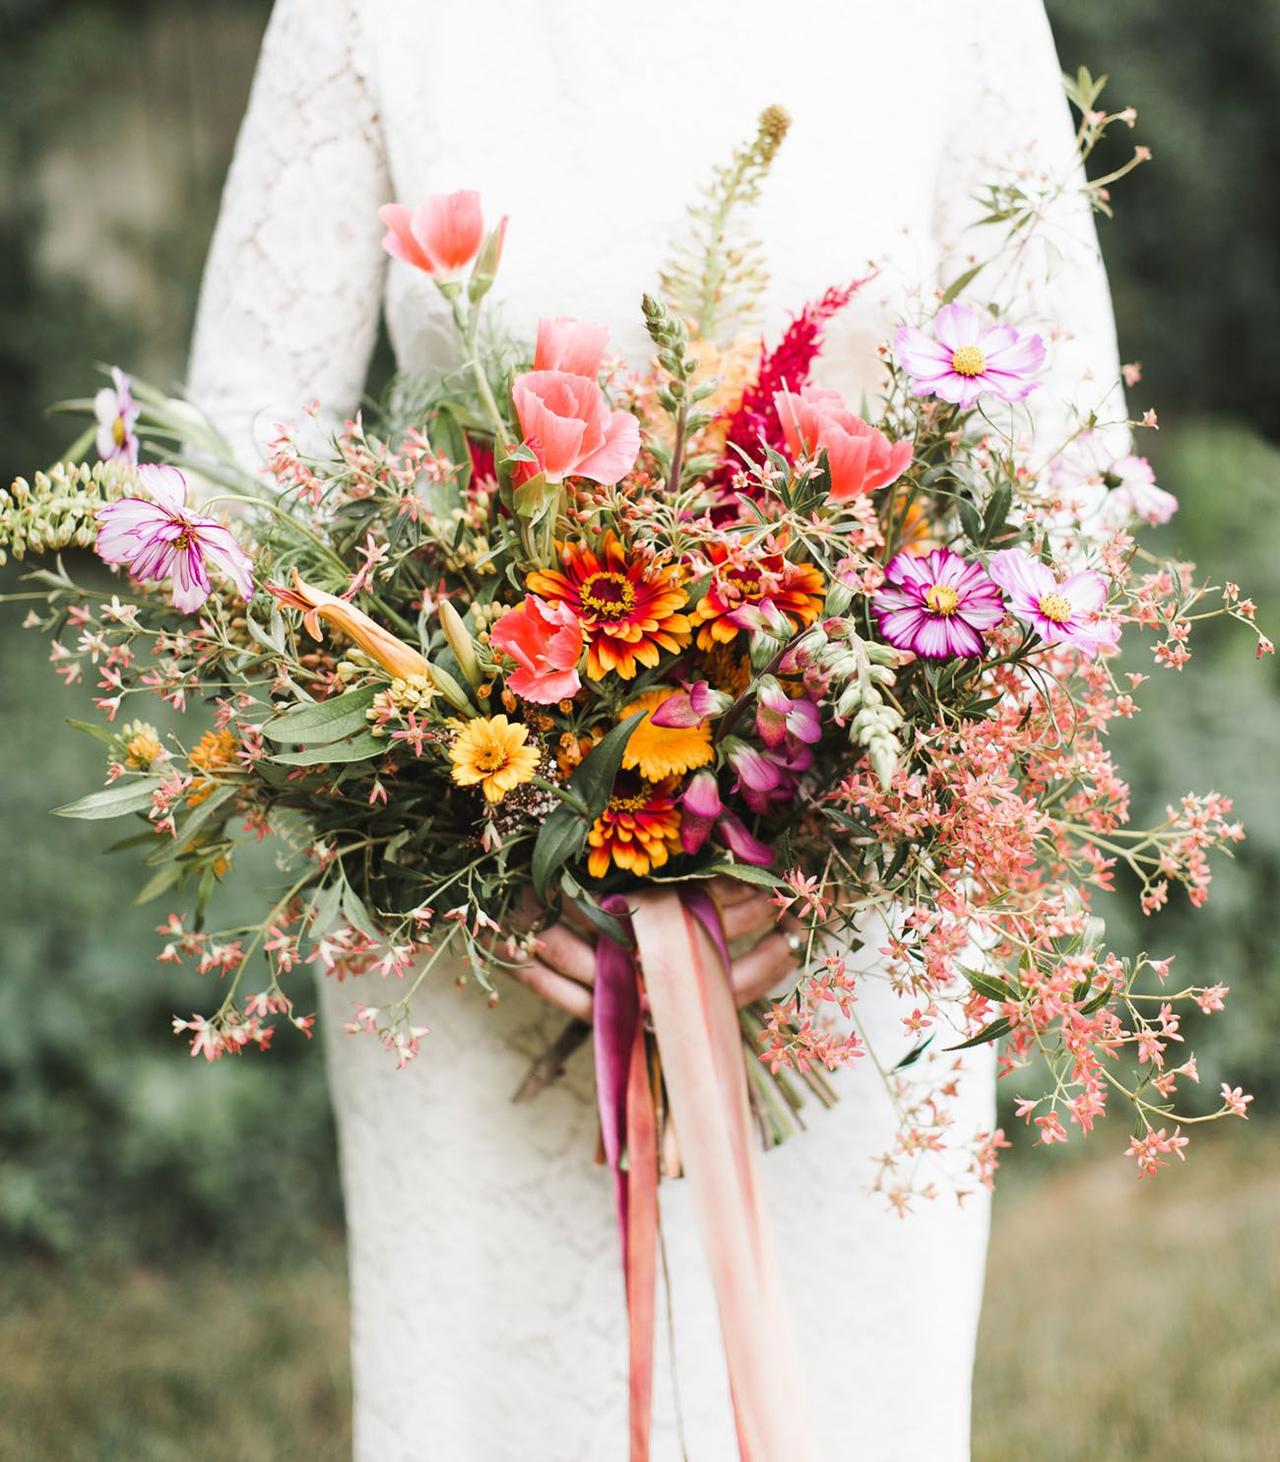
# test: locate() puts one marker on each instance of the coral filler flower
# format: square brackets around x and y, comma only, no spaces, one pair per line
[661,751]
[441,237]
[493,753]
[571,429]
[936,606]
[1063,613]
[638,831]
[546,641]
[860,459]
[965,358]
[160,538]
[628,602]
[116,413]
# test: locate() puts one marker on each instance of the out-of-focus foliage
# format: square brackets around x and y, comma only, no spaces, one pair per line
[116,122]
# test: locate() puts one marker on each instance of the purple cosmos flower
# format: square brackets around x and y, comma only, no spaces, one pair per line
[965,358]
[1063,613]
[936,606]
[160,538]
[116,413]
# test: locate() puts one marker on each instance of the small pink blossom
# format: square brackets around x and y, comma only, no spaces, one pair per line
[160,538]
[965,358]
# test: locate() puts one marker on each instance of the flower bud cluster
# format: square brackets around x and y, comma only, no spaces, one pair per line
[58,508]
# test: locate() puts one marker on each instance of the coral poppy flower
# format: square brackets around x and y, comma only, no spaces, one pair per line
[441,237]
[638,831]
[565,344]
[628,602]
[493,753]
[161,538]
[740,578]
[1063,613]
[860,459]
[966,358]
[661,751]
[571,429]
[936,606]
[545,641]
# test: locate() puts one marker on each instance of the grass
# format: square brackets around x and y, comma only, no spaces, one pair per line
[1124,1320]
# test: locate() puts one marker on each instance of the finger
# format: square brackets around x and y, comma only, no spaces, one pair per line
[729,891]
[767,965]
[566,953]
[568,995]
[752,916]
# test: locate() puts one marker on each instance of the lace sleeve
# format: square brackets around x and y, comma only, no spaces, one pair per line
[289,304]
[1012,116]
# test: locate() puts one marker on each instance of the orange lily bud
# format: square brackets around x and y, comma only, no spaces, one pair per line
[379,644]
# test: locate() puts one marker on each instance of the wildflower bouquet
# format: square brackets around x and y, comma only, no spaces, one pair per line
[554,639]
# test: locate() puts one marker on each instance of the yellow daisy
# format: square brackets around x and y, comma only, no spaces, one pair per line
[493,753]
[659,752]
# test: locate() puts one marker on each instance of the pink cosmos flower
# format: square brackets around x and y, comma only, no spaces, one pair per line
[440,237]
[160,538]
[571,429]
[565,344]
[860,459]
[1063,613]
[936,606]
[966,358]
[546,642]
[116,413]
[1103,490]
[1134,493]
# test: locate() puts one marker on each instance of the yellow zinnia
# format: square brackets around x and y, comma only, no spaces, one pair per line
[659,752]
[493,753]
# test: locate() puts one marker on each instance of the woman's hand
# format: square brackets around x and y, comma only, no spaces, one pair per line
[561,966]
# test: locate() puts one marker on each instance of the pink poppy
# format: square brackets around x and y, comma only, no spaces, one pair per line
[966,358]
[1065,613]
[440,237]
[860,459]
[571,429]
[565,344]
[936,606]
[160,538]
[546,642]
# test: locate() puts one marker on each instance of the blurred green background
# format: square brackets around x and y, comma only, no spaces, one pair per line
[171,1235]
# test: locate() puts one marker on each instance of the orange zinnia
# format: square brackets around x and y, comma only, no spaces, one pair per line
[740,577]
[638,831]
[628,601]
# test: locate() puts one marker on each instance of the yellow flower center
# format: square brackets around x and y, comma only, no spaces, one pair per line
[968,360]
[942,599]
[118,431]
[629,804]
[490,759]
[611,596]
[1056,608]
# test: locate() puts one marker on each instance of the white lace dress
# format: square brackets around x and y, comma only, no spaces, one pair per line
[488,1318]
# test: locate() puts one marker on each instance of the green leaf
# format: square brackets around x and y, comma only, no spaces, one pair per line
[744,873]
[113,801]
[199,818]
[612,928]
[324,908]
[323,722]
[993,519]
[355,913]
[596,773]
[991,986]
[914,1054]
[991,1032]
[560,839]
[162,879]
[959,285]
[361,748]
[100,733]
[969,520]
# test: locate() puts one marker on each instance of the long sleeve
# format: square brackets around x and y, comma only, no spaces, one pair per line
[289,305]
[1010,114]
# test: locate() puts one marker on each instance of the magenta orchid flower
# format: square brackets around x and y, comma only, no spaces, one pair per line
[116,411]
[779,719]
[936,606]
[158,537]
[966,358]
[1063,613]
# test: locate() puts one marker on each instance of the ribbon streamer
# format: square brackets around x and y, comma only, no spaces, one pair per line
[683,970]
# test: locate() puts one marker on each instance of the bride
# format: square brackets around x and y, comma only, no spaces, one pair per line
[488,1321]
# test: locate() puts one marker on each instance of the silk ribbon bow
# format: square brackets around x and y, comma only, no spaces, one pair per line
[680,963]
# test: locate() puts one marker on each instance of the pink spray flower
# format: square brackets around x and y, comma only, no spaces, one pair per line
[965,358]
[116,412]
[1065,613]
[575,346]
[860,459]
[160,538]
[546,642]
[440,237]
[936,606]
[571,429]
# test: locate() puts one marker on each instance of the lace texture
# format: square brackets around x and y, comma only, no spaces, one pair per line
[488,1321]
